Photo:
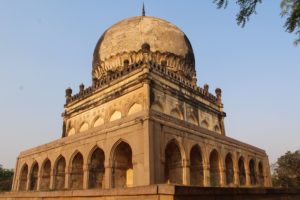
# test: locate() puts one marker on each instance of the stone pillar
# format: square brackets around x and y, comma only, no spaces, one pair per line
[67,178]
[247,171]
[222,177]
[206,175]
[39,178]
[28,180]
[186,172]
[51,186]
[85,176]
[107,176]
[236,180]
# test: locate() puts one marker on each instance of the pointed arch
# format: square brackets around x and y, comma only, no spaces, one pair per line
[252,172]
[242,172]
[96,168]
[173,163]
[34,176]
[45,175]
[136,107]
[217,129]
[192,119]
[204,124]
[157,106]
[229,169]
[76,176]
[23,177]
[122,166]
[261,174]
[176,113]
[71,131]
[83,127]
[98,121]
[214,163]
[196,166]
[115,116]
[59,173]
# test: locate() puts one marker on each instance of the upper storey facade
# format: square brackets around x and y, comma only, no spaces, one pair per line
[146,49]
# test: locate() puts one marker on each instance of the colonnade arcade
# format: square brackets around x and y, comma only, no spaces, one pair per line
[195,169]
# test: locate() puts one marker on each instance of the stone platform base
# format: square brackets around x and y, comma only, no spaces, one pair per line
[161,192]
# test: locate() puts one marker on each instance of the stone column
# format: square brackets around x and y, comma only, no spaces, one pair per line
[247,171]
[222,177]
[186,172]
[39,178]
[107,176]
[236,180]
[206,175]
[28,181]
[85,176]
[67,178]
[51,185]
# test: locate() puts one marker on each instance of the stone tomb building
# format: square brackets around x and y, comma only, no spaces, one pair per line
[143,121]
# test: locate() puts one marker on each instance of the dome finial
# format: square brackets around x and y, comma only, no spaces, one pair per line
[143,10]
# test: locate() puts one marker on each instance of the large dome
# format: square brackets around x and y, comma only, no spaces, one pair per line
[131,34]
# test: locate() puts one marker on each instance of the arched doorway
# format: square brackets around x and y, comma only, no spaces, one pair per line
[77,172]
[242,172]
[59,174]
[96,169]
[173,164]
[122,168]
[196,166]
[23,178]
[45,176]
[252,172]
[229,169]
[34,176]
[214,170]
[261,174]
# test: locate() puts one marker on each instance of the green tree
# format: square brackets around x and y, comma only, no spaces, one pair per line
[6,177]
[290,9]
[287,170]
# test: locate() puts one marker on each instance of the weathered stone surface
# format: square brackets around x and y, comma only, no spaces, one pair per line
[161,192]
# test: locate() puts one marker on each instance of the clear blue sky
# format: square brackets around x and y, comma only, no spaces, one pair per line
[47,46]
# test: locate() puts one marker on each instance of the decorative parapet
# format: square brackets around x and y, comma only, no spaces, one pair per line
[144,58]
[185,66]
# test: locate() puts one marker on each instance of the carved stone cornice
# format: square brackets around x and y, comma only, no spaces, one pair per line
[183,66]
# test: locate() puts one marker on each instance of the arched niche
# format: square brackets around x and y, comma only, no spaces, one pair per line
[23,178]
[229,169]
[122,167]
[98,122]
[157,106]
[76,176]
[71,131]
[96,169]
[196,166]
[84,127]
[173,163]
[204,124]
[261,174]
[34,176]
[214,170]
[135,108]
[217,129]
[192,119]
[59,173]
[45,175]
[116,115]
[176,113]
[242,172]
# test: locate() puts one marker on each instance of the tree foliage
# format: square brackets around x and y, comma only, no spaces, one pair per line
[6,176]
[287,170]
[290,9]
